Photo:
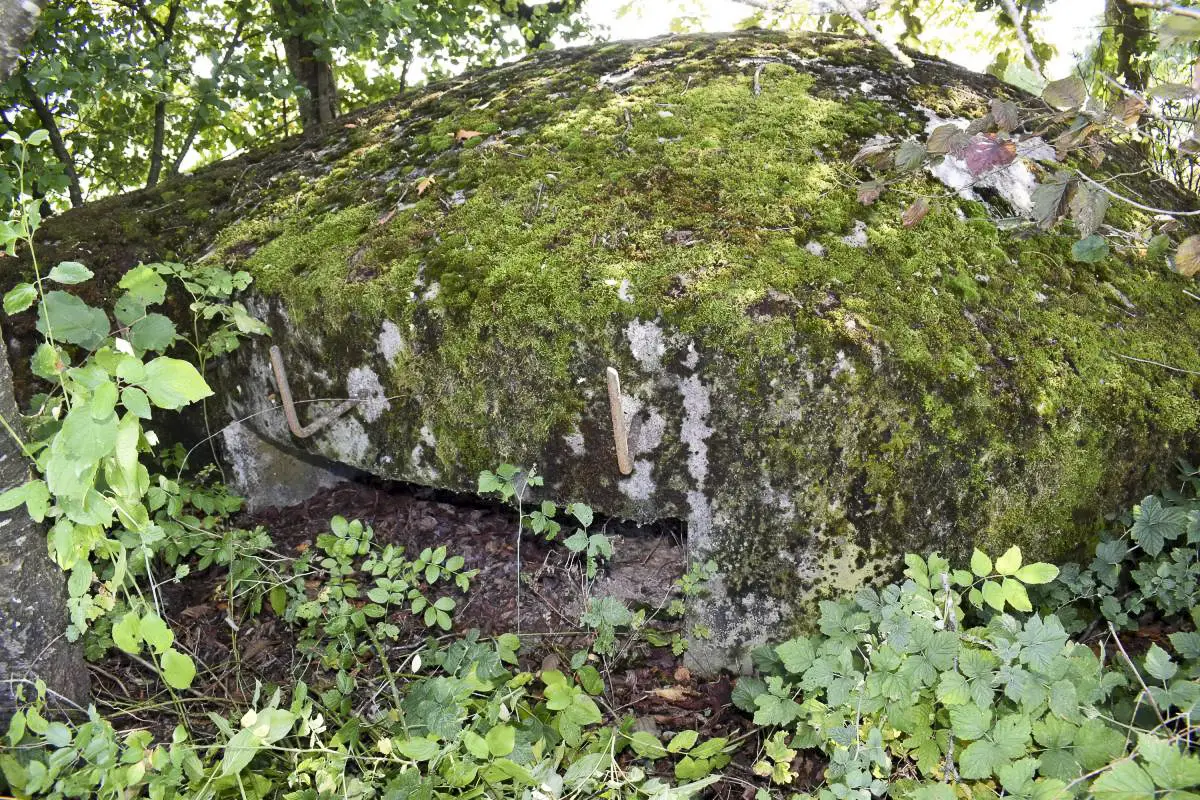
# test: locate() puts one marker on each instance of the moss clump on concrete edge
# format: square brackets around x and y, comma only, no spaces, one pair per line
[650,183]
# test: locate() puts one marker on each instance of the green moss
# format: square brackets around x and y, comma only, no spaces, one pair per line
[973,358]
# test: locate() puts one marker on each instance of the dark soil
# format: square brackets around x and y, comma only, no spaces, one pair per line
[239,650]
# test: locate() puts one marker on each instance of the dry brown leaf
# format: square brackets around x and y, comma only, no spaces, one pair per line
[674,694]
[425,184]
[386,218]
[463,135]
[350,125]
[1187,257]
[682,674]
[915,213]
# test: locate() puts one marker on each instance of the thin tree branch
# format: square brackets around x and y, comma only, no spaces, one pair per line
[1018,18]
[218,70]
[46,118]
[158,143]
[1170,8]
[875,33]
[1134,203]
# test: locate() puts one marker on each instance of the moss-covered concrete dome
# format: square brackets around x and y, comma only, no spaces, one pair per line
[811,386]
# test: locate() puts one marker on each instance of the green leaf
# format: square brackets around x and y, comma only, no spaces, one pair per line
[69,319]
[152,332]
[125,633]
[1037,573]
[476,745]
[501,740]
[1155,523]
[173,384]
[953,690]
[581,512]
[993,595]
[1015,595]
[19,298]
[240,751]
[144,284]
[981,565]
[1010,562]
[155,632]
[797,654]
[1096,744]
[1125,781]
[1159,664]
[104,401]
[682,741]
[177,669]
[969,721]
[980,759]
[774,710]
[70,273]
[419,749]
[647,745]
[135,401]
[1090,249]
[590,767]
[1042,640]
[1167,765]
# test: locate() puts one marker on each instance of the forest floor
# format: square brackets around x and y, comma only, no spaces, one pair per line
[239,650]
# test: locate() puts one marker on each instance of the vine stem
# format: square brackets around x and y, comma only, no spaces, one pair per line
[1137,674]
[1134,203]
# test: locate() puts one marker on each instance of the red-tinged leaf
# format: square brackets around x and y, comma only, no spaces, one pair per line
[915,213]
[869,191]
[464,135]
[986,152]
[1187,257]
[1067,94]
[1004,113]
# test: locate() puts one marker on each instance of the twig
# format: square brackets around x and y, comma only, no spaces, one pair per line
[875,33]
[1137,674]
[1015,13]
[1170,8]
[1134,203]
[1157,364]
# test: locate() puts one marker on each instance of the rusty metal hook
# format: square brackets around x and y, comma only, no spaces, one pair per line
[289,406]
[620,432]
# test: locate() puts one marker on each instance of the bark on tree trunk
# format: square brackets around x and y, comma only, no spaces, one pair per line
[319,106]
[46,118]
[33,593]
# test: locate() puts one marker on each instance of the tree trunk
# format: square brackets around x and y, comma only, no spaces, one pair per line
[33,597]
[1132,32]
[18,20]
[319,105]
[46,118]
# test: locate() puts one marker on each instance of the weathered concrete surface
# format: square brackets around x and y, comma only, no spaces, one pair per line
[810,386]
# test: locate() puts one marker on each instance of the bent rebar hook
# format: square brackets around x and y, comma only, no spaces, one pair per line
[289,406]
